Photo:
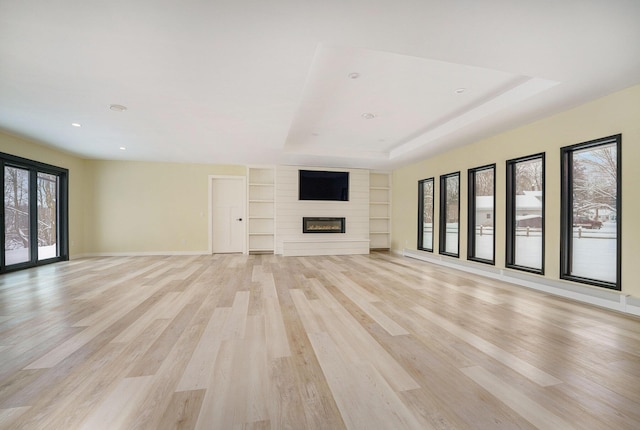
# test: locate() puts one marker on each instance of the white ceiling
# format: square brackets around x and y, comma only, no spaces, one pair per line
[262,82]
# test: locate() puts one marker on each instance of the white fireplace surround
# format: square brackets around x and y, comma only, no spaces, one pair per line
[290,240]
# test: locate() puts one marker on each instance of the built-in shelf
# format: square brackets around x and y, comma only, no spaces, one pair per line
[379,210]
[261,202]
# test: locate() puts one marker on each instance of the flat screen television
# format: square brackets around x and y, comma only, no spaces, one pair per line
[322,185]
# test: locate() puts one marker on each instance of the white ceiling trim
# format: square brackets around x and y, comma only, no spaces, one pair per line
[528,87]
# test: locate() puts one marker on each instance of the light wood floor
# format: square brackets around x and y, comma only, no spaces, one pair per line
[358,342]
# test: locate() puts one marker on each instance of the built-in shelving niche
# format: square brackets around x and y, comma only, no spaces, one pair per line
[379,210]
[261,203]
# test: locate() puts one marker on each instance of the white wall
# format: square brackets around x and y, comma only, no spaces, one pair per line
[290,210]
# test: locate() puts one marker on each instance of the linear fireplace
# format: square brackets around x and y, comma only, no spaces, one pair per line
[323,225]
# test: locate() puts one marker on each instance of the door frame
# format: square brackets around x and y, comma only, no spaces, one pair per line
[244,208]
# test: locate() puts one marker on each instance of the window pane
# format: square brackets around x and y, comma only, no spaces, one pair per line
[484,213]
[453,212]
[594,213]
[47,216]
[449,213]
[525,213]
[528,237]
[425,239]
[16,215]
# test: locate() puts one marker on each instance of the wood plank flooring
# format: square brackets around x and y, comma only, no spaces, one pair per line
[268,342]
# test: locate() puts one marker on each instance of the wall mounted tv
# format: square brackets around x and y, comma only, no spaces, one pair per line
[321,185]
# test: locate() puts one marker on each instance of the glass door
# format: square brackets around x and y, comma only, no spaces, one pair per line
[33,225]
[47,202]
[17,216]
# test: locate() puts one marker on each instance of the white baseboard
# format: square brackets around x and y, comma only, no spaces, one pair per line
[633,305]
[139,254]
[609,299]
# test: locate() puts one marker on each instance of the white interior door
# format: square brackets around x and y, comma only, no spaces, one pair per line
[227,215]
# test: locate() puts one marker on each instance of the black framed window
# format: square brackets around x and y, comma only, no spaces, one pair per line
[590,212]
[425,214]
[449,227]
[525,213]
[481,223]
[33,225]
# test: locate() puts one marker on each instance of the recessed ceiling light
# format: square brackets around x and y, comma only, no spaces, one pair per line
[75,124]
[460,90]
[353,75]
[118,108]
[123,148]
[368,115]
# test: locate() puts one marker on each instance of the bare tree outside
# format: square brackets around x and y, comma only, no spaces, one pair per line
[427,211]
[484,180]
[453,198]
[528,176]
[594,182]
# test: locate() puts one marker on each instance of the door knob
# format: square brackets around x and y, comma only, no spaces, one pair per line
[239,219]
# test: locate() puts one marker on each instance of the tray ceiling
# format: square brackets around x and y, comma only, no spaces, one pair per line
[352,84]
